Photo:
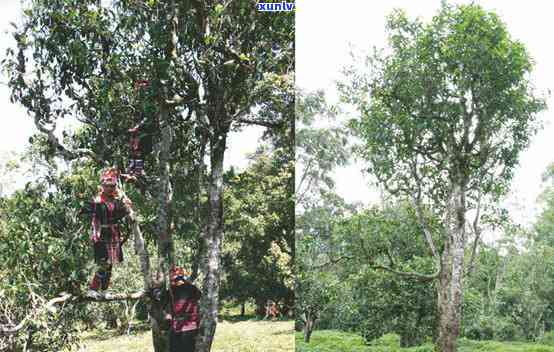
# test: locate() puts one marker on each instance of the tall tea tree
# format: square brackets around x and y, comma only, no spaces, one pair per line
[444,116]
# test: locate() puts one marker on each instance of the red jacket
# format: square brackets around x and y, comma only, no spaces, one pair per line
[185,315]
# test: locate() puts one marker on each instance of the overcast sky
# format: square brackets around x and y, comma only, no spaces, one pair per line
[326,29]
[17,127]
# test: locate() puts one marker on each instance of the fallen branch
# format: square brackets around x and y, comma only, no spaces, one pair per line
[71,298]
[108,297]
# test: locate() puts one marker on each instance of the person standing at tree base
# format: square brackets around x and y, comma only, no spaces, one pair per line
[184,316]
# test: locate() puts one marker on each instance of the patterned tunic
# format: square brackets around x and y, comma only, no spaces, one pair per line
[185,315]
[107,213]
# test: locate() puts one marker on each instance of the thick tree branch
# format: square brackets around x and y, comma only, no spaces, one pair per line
[142,252]
[258,122]
[425,226]
[63,151]
[178,100]
[477,233]
[304,176]
[6,330]
[419,212]
[332,262]
[412,274]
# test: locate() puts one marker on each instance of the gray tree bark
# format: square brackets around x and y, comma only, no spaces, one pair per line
[160,336]
[213,238]
[450,291]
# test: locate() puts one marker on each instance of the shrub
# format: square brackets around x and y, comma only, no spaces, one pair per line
[387,340]
[547,339]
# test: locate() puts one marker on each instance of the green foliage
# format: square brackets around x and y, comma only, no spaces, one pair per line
[336,341]
[506,297]
[388,340]
[544,226]
[315,287]
[461,72]
[49,252]
[337,274]
[330,340]
[319,150]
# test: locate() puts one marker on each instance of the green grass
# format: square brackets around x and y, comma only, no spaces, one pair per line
[338,341]
[231,336]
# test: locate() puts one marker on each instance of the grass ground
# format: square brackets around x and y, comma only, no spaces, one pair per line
[337,341]
[246,335]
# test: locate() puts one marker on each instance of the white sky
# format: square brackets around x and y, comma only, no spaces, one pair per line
[326,29]
[16,126]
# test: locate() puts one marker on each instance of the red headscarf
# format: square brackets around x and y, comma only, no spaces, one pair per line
[178,276]
[109,177]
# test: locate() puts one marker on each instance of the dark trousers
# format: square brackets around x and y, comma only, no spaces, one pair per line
[182,341]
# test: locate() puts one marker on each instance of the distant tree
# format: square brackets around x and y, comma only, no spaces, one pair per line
[544,226]
[321,147]
[314,286]
[259,253]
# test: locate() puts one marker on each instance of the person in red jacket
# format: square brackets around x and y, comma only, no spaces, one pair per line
[184,314]
[107,209]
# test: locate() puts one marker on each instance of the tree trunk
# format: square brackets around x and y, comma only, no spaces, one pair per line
[242,309]
[260,306]
[160,337]
[309,323]
[165,196]
[497,286]
[450,289]
[212,245]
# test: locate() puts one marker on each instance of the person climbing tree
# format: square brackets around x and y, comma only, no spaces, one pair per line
[141,134]
[184,316]
[107,209]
